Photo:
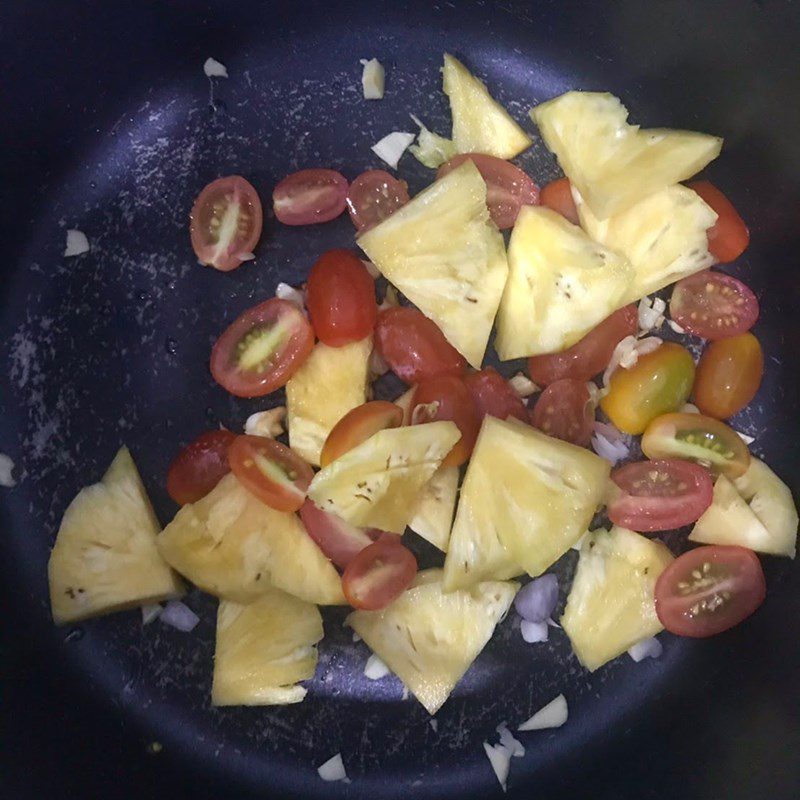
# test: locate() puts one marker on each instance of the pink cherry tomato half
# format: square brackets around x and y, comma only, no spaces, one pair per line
[373,196]
[310,196]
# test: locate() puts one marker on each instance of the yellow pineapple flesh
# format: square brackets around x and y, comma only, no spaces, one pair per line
[433,515]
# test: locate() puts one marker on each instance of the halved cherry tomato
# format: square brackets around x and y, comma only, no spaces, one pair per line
[357,425]
[508,188]
[340,296]
[262,349]
[447,398]
[310,196]
[494,396]
[697,437]
[564,410]
[225,223]
[271,471]
[199,467]
[659,382]
[588,356]
[710,589]
[378,574]
[373,196]
[659,495]
[340,541]
[728,237]
[713,305]
[557,195]
[728,375]
[414,347]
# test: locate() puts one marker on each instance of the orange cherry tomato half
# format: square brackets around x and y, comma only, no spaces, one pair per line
[728,237]
[340,541]
[357,426]
[447,398]
[589,355]
[378,574]
[271,471]
[199,467]
[494,396]
[557,195]
[728,375]
[340,296]
[373,196]
[310,196]
[710,589]
[564,410]
[225,223]
[262,349]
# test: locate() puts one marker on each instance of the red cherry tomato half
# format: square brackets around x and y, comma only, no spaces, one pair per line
[564,410]
[310,196]
[713,305]
[659,495]
[494,396]
[379,574]
[373,196]
[340,296]
[447,398]
[225,223]
[557,195]
[199,467]
[414,347]
[508,188]
[262,349]
[271,471]
[710,589]
[338,540]
[357,426]
[588,356]
[728,237]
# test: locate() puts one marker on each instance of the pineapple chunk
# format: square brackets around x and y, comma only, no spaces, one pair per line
[428,638]
[331,382]
[445,254]
[610,606]
[236,547]
[480,123]
[263,649]
[614,165]
[377,483]
[526,499]
[560,285]
[105,557]
[433,516]
[663,236]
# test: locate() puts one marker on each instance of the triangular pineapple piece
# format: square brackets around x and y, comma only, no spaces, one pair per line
[263,649]
[429,638]
[234,546]
[105,557]
[614,165]
[433,516]
[480,123]
[331,382]
[377,483]
[561,284]
[444,253]
[526,499]
[611,606]
[664,237]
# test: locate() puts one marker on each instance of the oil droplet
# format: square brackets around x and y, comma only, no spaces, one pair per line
[75,635]
[92,184]
[171,346]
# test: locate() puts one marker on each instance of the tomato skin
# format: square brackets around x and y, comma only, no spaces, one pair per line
[557,195]
[658,383]
[270,471]
[414,347]
[494,396]
[589,355]
[283,360]
[199,467]
[659,495]
[340,296]
[379,574]
[310,196]
[373,196]
[732,587]
[455,403]
[338,540]
[729,237]
[564,410]
[357,425]
[728,375]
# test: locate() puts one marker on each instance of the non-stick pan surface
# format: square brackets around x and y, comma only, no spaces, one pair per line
[110,126]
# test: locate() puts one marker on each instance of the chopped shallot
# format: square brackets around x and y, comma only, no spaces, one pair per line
[609,443]
[6,471]
[627,353]
[553,715]
[522,385]
[675,327]
[296,296]
[266,423]
[534,632]
[333,769]
[375,669]
[390,299]
[392,146]
[537,600]
[377,364]
[179,616]
[150,612]
[651,313]
[647,648]
[77,243]
[213,69]
[373,79]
